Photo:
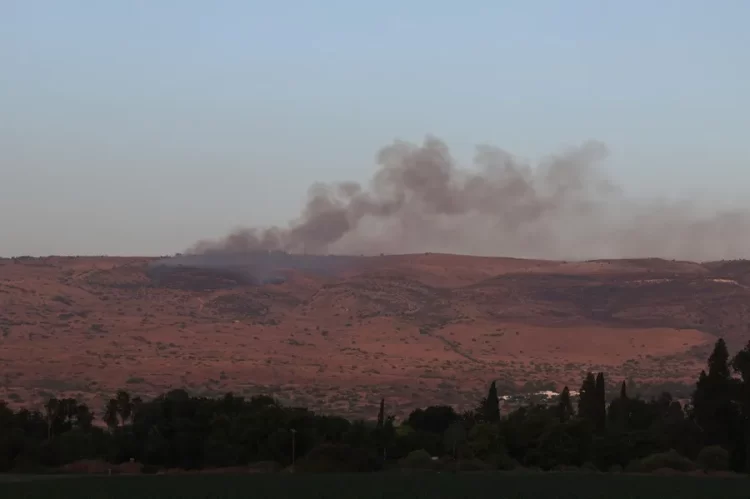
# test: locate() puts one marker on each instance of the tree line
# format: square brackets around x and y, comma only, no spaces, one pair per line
[620,432]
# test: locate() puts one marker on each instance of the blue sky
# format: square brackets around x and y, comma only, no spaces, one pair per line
[137,127]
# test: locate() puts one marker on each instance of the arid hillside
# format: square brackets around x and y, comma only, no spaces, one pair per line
[414,329]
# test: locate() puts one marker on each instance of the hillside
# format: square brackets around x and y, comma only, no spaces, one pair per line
[411,328]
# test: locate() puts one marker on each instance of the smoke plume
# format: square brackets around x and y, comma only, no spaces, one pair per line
[566,207]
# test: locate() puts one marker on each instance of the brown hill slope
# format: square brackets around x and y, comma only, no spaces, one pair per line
[415,328]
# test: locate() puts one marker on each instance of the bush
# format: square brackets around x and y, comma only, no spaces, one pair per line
[589,466]
[713,458]
[473,464]
[565,468]
[417,459]
[672,460]
[337,458]
[264,466]
[504,462]
[468,464]
[149,469]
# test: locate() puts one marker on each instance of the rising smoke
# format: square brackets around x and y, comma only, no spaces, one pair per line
[419,200]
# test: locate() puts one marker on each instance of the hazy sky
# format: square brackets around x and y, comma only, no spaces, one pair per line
[138,127]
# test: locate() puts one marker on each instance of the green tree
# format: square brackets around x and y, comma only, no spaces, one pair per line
[565,406]
[619,410]
[110,415]
[433,419]
[384,431]
[491,405]
[587,399]
[562,444]
[381,414]
[124,406]
[601,403]
[485,440]
[741,365]
[454,438]
[711,403]
[84,418]
[51,412]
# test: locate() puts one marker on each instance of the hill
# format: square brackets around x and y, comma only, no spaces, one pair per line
[337,333]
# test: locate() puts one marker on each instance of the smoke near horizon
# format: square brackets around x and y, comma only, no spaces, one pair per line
[566,207]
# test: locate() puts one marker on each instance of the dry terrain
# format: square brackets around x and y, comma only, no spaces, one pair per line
[415,329]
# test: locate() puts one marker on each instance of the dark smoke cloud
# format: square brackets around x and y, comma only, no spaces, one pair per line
[565,208]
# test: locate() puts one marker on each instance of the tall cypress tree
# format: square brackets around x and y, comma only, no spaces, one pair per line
[601,403]
[491,406]
[381,434]
[619,409]
[718,362]
[741,365]
[712,407]
[587,399]
[381,414]
[565,406]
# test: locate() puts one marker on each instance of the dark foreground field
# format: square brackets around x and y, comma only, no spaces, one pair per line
[378,486]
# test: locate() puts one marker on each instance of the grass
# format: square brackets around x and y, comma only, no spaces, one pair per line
[379,486]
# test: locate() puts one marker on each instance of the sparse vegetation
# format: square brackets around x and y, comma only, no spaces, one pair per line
[63,299]
[594,432]
[514,327]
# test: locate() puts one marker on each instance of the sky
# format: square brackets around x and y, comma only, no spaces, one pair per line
[138,127]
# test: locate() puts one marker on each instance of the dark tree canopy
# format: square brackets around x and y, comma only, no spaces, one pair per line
[491,407]
[565,406]
[180,430]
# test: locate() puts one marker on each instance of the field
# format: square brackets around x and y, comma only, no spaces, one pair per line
[379,486]
[337,335]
